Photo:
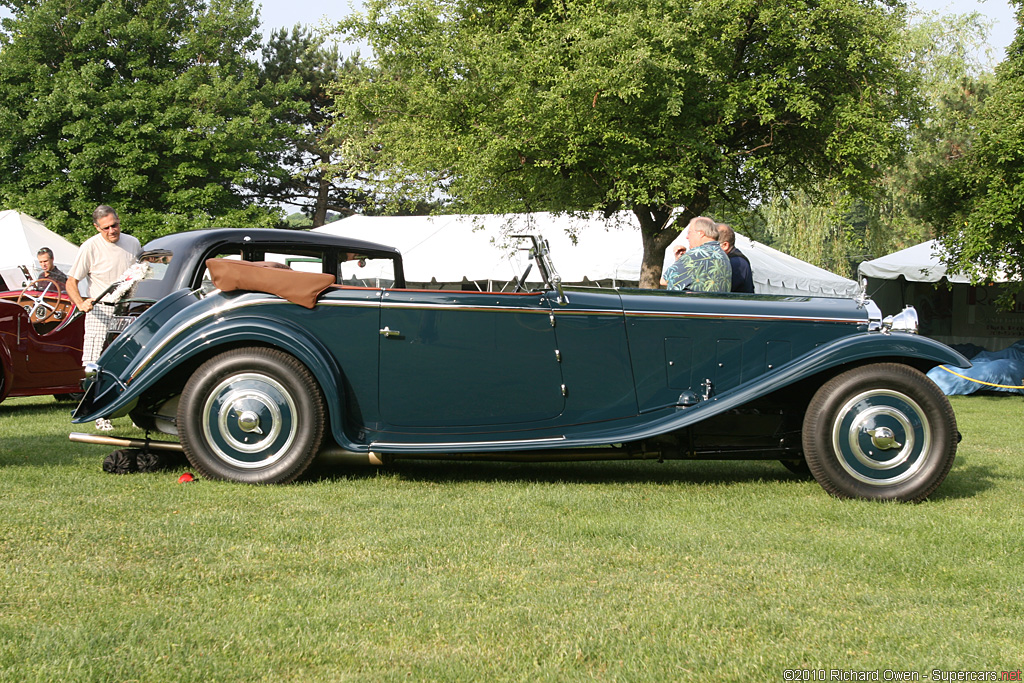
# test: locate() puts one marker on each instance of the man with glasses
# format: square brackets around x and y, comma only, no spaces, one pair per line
[103,258]
[703,267]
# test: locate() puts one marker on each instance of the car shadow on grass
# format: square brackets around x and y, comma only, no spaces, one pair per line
[969,478]
[587,472]
[41,406]
[966,480]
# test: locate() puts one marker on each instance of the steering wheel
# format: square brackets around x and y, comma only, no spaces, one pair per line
[36,305]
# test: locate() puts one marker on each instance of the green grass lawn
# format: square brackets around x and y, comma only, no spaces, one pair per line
[633,571]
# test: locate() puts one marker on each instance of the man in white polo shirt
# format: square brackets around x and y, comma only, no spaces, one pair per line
[103,258]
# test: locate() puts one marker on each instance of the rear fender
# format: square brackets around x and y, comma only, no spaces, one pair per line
[118,397]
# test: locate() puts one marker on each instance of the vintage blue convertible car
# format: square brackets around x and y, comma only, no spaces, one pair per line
[275,365]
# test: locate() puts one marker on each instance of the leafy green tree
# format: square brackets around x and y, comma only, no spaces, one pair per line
[945,54]
[835,230]
[976,197]
[296,72]
[645,105]
[147,105]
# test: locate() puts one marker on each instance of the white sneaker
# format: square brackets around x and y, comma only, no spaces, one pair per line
[104,425]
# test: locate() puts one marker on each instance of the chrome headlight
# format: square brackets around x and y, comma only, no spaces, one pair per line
[904,321]
[874,314]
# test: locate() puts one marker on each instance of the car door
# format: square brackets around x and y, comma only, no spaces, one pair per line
[451,359]
[594,355]
[41,361]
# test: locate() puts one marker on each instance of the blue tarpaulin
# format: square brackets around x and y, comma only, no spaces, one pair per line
[991,371]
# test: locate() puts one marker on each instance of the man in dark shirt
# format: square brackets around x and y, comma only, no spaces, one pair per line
[742,277]
[47,269]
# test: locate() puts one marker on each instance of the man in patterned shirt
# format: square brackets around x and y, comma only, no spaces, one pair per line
[704,267]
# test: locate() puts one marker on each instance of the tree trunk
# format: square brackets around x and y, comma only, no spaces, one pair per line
[657,233]
[323,192]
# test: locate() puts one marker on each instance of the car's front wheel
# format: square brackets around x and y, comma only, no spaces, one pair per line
[882,431]
[252,415]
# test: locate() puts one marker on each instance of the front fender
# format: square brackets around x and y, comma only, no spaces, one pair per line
[852,350]
[115,396]
[897,346]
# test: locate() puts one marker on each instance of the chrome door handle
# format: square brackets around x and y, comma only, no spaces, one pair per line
[388,332]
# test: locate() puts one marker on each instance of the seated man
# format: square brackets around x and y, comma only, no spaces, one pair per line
[704,266]
[742,277]
[47,270]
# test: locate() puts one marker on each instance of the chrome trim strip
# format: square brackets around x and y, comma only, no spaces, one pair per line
[742,316]
[497,307]
[357,303]
[376,445]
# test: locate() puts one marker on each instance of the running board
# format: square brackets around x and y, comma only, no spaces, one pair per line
[542,455]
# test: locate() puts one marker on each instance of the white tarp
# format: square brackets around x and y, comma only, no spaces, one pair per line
[920,263]
[22,236]
[452,249]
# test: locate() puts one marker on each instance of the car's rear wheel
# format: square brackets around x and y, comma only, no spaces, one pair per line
[882,431]
[252,415]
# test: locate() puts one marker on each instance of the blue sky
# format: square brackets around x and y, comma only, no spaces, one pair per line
[287,13]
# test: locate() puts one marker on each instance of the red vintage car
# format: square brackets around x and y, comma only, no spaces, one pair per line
[40,342]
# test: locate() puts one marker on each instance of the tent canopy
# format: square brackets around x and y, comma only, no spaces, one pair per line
[456,248]
[955,312]
[919,263]
[23,236]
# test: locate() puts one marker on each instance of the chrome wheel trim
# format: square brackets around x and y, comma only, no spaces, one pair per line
[255,420]
[890,410]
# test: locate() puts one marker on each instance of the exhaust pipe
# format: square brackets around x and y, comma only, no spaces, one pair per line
[340,454]
[378,459]
[149,444]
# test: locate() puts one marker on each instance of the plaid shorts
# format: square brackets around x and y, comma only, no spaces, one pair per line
[96,323]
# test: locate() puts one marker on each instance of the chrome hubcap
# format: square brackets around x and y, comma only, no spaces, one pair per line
[249,420]
[881,437]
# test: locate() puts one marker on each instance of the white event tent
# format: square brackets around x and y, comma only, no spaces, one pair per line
[22,236]
[919,263]
[459,249]
[951,309]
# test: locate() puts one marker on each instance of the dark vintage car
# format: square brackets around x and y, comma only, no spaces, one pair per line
[273,366]
[41,346]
